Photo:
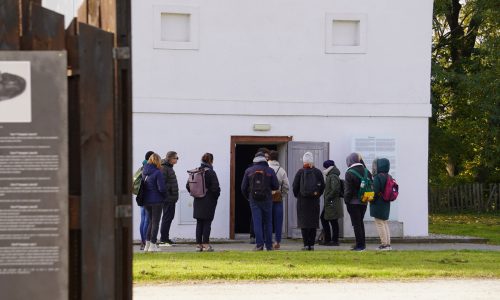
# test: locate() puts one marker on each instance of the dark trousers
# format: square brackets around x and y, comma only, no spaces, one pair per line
[262,213]
[166,220]
[203,228]
[331,235]
[154,216]
[308,236]
[357,213]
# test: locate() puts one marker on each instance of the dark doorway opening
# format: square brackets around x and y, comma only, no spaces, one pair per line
[244,155]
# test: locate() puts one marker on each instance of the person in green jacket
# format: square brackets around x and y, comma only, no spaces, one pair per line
[333,209]
[380,209]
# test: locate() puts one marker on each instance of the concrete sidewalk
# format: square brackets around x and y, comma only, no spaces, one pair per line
[474,289]
[296,245]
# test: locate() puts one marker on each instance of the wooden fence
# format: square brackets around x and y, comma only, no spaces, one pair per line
[100,134]
[480,197]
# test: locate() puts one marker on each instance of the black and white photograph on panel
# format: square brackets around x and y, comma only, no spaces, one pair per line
[15,92]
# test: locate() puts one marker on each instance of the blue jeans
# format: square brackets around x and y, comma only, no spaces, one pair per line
[278,220]
[143,227]
[262,212]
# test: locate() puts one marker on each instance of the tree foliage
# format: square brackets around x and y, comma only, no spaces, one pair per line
[464,128]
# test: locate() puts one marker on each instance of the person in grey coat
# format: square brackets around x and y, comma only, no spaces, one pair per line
[308,206]
[333,208]
[172,196]
[204,207]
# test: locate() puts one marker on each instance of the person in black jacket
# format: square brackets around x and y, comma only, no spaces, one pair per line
[172,197]
[204,207]
[308,205]
[355,207]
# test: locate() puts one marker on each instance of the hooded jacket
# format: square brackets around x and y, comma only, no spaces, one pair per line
[259,166]
[170,181]
[154,192]
[352,182]
[379,208]
[284,184]
[333,203]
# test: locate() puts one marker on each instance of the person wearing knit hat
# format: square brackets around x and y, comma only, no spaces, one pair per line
[258,182]
[332,209]
[308,185]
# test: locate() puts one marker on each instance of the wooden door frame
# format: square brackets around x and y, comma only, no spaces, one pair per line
[248,140]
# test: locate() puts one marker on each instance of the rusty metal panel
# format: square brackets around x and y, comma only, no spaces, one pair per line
[96,102]
[10,25]
[45,30]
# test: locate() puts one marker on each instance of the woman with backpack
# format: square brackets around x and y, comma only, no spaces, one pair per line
[204,205]
[379,208]
[154,196]
[308,186]
[355,174]
[332,209]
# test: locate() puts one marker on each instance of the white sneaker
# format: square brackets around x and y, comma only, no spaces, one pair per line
[146,248]
[154,248]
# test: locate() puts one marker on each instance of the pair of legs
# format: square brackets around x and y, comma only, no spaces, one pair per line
[154,216]
[166,220]
[262,213]
[308,237]
[383,231]
[278,220]
[203,228]
[357,214]
[331,234]
[143,227]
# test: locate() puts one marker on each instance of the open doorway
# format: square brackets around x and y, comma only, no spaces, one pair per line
[243,149]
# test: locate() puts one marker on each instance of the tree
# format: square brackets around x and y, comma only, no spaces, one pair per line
[464,128]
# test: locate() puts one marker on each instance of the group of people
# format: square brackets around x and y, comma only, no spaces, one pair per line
[265,185]
[161,193]
[265,179]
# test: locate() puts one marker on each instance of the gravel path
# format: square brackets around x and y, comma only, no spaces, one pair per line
[373,290]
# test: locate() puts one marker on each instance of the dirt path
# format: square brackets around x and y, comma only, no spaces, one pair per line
[457,289]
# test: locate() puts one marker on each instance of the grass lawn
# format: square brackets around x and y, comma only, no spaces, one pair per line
[469,224]
[169,267]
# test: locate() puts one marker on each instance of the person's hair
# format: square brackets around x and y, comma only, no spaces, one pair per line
[263,150]
[148,154]
[171,154]
[273,155]
[155,159]
[208,158]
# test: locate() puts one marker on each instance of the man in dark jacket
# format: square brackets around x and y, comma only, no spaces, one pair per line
[172,196]
[261,208]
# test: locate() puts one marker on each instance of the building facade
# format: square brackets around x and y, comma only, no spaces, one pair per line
[331,77]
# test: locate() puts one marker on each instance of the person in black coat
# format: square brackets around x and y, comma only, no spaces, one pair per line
[308,206]
[355,207]
[167,168]
[204,207]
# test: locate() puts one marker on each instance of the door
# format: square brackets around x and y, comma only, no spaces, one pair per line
[296,150]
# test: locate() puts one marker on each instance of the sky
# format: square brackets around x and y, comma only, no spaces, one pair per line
[66,7]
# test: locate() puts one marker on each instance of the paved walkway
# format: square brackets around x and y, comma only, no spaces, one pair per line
[292,245]
[373,290]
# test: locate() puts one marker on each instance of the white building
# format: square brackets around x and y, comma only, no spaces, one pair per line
[227,76]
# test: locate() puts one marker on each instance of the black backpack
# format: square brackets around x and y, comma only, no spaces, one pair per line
[140,193]
[341,192]
[259,186]
[309,184]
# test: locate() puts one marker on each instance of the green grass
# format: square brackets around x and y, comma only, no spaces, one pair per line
[169,267]
[468,224]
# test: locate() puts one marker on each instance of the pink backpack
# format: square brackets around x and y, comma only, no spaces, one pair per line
[391,189]
[196,182]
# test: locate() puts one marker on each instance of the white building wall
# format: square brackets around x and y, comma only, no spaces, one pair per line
[264,61]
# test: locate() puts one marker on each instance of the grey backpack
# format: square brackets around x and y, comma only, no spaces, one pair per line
[196,182]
